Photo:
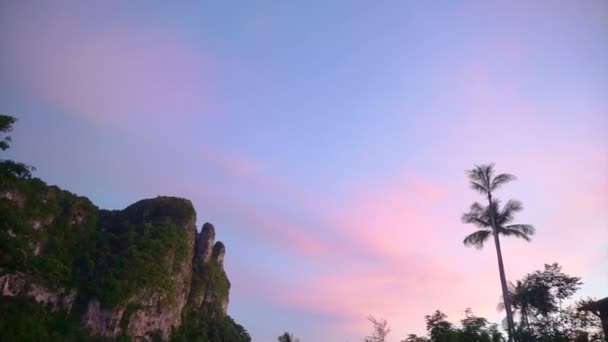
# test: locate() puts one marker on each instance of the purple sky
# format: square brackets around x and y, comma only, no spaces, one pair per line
[327,141]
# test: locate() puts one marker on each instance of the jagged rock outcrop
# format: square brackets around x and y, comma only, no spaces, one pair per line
[204,243]
[137,272]
[209,282]
[218,253]
[149,310]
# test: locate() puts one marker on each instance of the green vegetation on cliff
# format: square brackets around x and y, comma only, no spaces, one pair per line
[23,319]
[131,253]
[46,232]
[64,244]
[64,241]
[209,325]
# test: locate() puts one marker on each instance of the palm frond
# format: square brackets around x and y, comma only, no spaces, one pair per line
[501,305]
[477,215]
[514,232]
[500,180]
[508,211]
[488,170]
[480,177]
[482,189]
[513,205]
[478,238]
[527,229]
[476,220]
[476,207]
[495,204]
[475,174]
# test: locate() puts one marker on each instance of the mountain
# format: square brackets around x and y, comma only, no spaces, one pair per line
[72,271]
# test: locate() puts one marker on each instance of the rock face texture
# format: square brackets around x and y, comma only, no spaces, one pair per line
[21,284]
[147,310]
[218,253]
[209,283]
[204,242]
[136,272]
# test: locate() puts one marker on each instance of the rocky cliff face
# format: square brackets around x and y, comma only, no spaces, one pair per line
[139,272]
[210,284]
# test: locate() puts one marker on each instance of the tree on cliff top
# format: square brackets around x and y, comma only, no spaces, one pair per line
[6,125]
[10,167]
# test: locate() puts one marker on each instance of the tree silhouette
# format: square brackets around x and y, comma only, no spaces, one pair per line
[287,337]
[9,167]
[415,338]
[380,332]
[438,326]
[494,221]
[6,125]
[522,298]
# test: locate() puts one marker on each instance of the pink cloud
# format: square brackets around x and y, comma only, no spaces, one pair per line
[380,262]
[395,216]
[399,254]
[123,75]
[233,166]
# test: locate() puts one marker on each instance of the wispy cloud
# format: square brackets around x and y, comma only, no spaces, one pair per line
[122,75]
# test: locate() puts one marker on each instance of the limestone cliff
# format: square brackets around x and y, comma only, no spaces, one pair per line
[143,272]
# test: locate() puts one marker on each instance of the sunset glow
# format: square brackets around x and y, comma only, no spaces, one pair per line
[328,141]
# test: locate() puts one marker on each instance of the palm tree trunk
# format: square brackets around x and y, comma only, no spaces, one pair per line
[503,284]
[501,271]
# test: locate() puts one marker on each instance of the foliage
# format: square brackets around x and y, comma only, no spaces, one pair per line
[287,337]
[492,218]
[522,298]
[209,322]
[208,325]
[38,235]
[22,319]
[210,275]
[556,286]
[437,325]
[54,236]
[132,257]
[10,168]
[6,126]
[415,338]
[473,329]
[539,296]
[539,299]
[380,330]
[542,292]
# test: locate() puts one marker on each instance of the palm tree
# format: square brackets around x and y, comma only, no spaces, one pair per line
[522,301]
[494,221]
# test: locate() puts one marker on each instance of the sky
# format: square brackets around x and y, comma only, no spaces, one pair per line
[327,141]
